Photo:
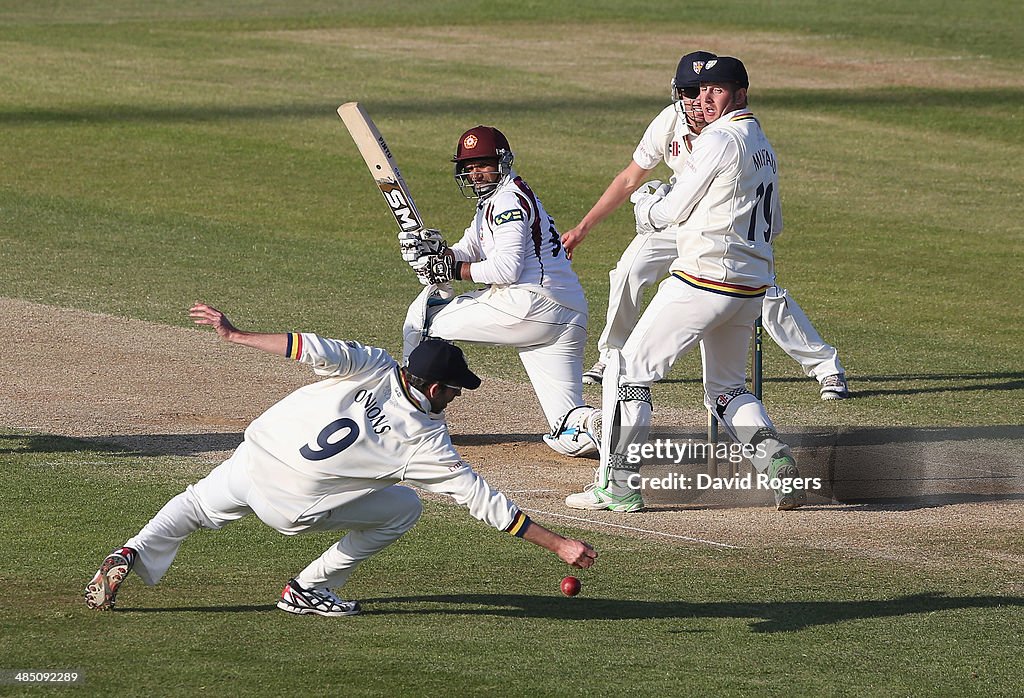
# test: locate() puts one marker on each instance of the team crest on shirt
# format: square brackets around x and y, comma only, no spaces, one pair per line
[470,142]
[514,214]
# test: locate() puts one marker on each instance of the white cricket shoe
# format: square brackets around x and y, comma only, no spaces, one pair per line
[594,498]
[101,592]
[834,387]
[595,374]
[320,601]
[784,468]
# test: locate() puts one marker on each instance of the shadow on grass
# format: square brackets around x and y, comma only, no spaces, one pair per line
[261,608]
[129,445]
[770,617]
[49,443]
[948,382]
[844,100]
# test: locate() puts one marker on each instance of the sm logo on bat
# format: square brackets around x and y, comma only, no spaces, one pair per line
[401,209]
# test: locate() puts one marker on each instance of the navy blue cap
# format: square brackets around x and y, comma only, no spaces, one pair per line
[689,69]
[438,361]
[725,69]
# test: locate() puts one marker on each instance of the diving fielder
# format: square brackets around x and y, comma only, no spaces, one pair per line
[533,300]
[670,139]
[328,457]
[724,212]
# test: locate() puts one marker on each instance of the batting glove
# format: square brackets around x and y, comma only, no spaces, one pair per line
[435,268]
[418,243]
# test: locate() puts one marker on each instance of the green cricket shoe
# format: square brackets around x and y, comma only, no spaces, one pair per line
[784,468]
[594,498]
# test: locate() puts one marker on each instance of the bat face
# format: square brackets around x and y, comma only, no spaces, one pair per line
[401,209]
[378,158]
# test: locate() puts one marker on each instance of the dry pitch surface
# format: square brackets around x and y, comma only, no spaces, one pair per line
[938,497]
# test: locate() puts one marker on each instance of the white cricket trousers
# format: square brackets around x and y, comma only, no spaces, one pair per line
[642,264]
[785,322]
[227,494]
[549,338]
[647,260]
[678,319]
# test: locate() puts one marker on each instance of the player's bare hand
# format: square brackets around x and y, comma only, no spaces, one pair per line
[203,314]
[577,553]
[571,240]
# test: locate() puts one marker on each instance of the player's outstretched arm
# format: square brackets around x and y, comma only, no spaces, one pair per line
[624,184]
[571,551]
[203,314]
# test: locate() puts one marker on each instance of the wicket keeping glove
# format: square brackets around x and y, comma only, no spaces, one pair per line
[644,198]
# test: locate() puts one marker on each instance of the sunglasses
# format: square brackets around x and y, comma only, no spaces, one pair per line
[690,92]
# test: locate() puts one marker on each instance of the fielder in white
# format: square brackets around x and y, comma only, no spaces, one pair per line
[670,138]
[533,300]
[724,213]
[328,457]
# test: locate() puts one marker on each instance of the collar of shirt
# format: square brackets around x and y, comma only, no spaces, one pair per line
[406,392]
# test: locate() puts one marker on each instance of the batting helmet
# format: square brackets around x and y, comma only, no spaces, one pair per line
[687,79]
[686,84]
[481,142]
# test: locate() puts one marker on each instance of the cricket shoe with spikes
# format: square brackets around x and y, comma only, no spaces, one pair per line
[101,592]
[319,601]
[595,375]
[594,498]
[787,496]
[834,387]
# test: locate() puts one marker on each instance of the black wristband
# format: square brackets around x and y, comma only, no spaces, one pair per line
[459,270]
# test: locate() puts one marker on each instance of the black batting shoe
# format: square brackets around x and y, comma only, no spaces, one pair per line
[101,592]
[321,601]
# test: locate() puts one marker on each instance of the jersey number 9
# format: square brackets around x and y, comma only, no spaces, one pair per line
[328,449]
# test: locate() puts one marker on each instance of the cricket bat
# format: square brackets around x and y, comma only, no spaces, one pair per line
[378,158]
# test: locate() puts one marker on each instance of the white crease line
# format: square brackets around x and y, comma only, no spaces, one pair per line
[527,491]
[638,530]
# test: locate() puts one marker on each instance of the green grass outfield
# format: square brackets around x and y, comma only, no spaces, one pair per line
[155,153]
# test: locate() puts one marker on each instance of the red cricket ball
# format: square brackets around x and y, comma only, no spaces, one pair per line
[571,586]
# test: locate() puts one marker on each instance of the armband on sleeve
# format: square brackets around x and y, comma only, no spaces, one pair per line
[294,349]
[520,522]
